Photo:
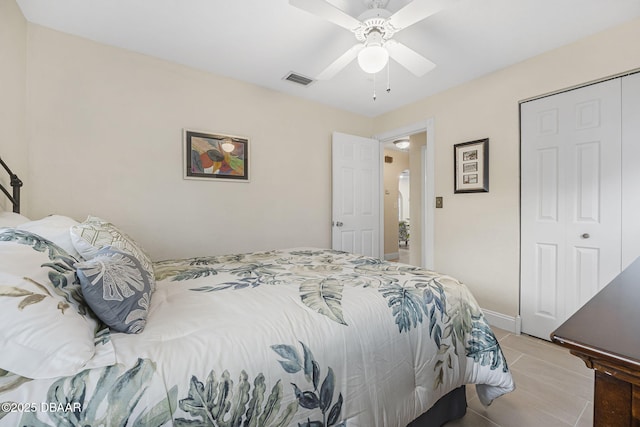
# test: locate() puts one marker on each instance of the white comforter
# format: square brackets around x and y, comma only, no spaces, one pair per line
[294,337]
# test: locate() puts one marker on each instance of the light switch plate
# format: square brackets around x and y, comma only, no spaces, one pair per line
[439,202]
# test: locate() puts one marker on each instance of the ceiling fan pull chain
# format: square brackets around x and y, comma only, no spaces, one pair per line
[374,87]
[388,77]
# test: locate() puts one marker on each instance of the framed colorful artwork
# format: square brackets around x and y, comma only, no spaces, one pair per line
[471,166]
[216,156]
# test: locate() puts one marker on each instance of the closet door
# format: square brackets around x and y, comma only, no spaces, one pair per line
[630,169]
[570,202]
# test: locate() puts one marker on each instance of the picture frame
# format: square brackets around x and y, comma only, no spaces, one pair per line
[214,156]
[471,166]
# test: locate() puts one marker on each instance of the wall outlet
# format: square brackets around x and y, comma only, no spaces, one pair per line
[438,202]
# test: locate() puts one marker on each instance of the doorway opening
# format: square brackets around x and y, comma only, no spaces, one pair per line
[397,199]
[421,197]
[404,216]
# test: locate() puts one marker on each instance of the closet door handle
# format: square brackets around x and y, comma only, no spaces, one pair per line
[585,236]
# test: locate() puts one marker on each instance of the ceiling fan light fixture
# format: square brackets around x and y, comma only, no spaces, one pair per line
[373,58]
[374,30]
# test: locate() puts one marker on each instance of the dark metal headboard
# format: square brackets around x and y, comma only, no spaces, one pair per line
[15,184]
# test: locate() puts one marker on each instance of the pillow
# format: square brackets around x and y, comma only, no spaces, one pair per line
[46,330]
[95,233]
[117,288]
[54,228]
[12,219]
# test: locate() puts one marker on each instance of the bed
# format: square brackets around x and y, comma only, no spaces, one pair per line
[95,333]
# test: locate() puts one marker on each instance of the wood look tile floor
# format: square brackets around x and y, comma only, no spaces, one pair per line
[403,253]
[553,388]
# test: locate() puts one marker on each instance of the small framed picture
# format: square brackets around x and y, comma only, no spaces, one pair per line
[215,156]
[471,166]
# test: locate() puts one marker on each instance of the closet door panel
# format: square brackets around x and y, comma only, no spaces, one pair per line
[570,202]
[630,168]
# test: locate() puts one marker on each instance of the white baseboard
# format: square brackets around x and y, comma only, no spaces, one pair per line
[502,321]
[394,255]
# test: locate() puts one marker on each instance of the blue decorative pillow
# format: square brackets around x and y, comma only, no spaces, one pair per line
[117,288]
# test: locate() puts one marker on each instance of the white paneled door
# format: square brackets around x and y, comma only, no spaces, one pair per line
[630,169]
[570,202]
[356,194]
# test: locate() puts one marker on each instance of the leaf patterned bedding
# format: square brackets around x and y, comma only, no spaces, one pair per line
[300,337]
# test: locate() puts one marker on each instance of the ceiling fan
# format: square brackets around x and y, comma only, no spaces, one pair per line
[374,30]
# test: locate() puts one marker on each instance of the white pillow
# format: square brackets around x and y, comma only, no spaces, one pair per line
[46,330]
[55,228]
[95,234]
[12,219]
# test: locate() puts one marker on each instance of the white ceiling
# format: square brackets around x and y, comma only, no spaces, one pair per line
[260,41]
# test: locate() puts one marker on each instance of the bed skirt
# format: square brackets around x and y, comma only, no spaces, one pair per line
[451,406]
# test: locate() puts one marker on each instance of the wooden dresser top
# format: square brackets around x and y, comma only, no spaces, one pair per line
[608,326]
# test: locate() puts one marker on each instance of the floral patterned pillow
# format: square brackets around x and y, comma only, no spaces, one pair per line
[117,288]
[46,328]
[95,233]
[54,228]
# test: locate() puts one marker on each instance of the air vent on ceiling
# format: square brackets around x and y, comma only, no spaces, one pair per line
[298,78]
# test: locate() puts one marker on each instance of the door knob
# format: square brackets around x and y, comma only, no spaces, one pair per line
[585,236]
[339,224]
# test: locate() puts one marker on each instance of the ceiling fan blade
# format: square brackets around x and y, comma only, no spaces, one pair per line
[409,58]
[328,12]
[416,11]
[337,65]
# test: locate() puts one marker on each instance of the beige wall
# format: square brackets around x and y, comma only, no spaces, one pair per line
[13,50]
[105,138]
[391,191]
[477,235]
